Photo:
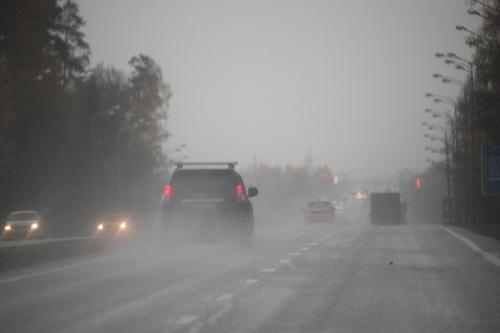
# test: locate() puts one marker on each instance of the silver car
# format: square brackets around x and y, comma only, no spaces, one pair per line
[319,211]
[112,225]
[23,224]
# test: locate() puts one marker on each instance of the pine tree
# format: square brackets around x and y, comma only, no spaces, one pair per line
[67,40]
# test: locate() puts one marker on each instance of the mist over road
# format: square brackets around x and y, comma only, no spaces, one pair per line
[345,276]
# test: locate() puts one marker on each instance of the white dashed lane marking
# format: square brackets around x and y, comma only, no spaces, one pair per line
[185,320]
[224,309]
[224,297]
[268,270]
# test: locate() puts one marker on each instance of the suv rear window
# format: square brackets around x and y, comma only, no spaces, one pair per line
[213,183]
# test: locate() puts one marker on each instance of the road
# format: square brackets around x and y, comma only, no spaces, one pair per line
[24,242]
[342,277]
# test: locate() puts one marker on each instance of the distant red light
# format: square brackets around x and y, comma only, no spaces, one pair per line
[308,213]
[329,212]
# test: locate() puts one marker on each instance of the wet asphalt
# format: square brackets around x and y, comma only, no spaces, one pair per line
[346,276]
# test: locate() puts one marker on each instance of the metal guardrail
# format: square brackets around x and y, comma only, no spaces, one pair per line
[26,242]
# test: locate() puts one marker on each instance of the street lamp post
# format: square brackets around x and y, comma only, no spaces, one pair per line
[446,145]
[471,11]
[484,5]
[141,122]
[467,65]
[180,159]
[172,150]
[474,12]
[175,149]
[456,178]
[466,160]
[447,150]
[449,100]
[96,116]
[461,27]
[460,83]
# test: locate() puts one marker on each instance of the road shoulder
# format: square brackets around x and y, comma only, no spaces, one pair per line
[487,244]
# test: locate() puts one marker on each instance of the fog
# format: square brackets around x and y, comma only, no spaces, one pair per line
[270,80]
[331,221]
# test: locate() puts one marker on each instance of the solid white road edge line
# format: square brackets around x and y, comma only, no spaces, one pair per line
[494,260]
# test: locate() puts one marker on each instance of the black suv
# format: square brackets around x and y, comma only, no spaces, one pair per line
[208,199]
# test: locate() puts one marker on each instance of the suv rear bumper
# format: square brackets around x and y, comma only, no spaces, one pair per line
[237,216]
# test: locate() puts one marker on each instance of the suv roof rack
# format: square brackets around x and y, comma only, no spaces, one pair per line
[182,164]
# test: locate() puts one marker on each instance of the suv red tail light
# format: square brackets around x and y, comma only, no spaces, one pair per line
[240,196]
[166,194]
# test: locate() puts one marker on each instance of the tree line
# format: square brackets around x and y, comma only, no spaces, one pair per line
[288,187]
[476,122]
[73,137]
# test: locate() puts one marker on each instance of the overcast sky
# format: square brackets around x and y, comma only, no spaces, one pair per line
[345,79]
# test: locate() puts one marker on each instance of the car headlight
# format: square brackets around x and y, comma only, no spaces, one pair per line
[7,227]
[100,226]
[34,226]
[122,225]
